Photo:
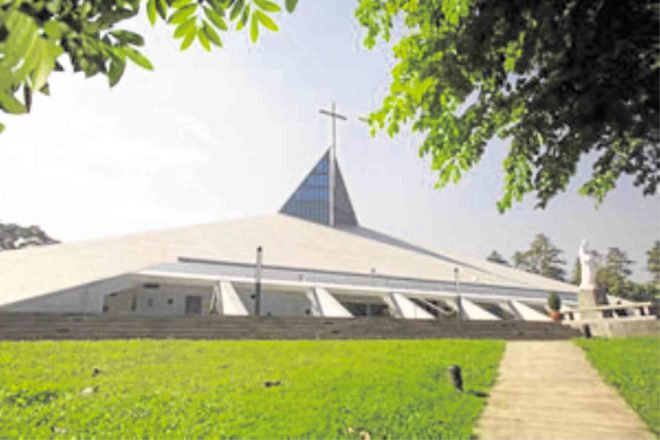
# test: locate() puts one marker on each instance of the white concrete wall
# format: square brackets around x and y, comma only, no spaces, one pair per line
[84,299]
[165,300]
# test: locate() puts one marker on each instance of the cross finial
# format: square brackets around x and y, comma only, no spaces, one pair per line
[332,113]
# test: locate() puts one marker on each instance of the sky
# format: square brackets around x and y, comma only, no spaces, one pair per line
[214,136]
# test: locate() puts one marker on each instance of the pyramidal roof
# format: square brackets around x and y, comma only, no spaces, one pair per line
[319,195]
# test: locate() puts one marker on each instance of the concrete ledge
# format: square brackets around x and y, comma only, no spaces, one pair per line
[618,328]
[28,326]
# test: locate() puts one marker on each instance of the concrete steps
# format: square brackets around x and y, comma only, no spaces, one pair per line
[26,326]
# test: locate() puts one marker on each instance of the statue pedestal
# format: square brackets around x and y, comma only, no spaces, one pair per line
[588,298]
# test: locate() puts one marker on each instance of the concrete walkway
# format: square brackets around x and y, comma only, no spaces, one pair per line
[548,390]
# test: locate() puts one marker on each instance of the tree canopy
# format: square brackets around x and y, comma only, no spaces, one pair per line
[541,258]
[496,257]
[615,271]
[559,81]
[35,34]
[13,236]
[653,262]
[576,273]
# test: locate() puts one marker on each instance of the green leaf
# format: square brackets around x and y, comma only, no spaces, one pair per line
[215,18]
[267,5]
[290,5]
[137,58]
[236,9]
[266,21]
[128,37]
[183,28]
[218,6]
[161,7]
[204,41]
[117,68]
[182,14]
[151,11]
[10,104]
[178,4]
[211,34]
[190,37]
[53,29]
[27,97]
[254,29]
[45,64]
[244,18]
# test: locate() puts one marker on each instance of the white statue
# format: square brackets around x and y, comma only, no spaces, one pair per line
[589,262]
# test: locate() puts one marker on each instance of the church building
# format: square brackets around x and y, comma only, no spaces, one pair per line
[312,258]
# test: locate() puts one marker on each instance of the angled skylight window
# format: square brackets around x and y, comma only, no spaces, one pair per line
[311,201]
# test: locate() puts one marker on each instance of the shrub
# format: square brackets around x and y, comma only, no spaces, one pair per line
[554,302]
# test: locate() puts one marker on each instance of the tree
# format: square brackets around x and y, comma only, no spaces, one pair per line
[576,275]
[541,258]
[557,80]
[36,34]
[13,236]
[653,262]
[495,257]
[613,275]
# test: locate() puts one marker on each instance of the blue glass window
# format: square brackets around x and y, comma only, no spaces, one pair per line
[310,200]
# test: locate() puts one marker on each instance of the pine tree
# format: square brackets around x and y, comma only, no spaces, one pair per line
[13,236]
[613,276]
[542,258]
[496,257]
[576,275]
[653,262]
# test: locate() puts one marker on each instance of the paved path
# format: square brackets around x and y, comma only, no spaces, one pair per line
[548,390]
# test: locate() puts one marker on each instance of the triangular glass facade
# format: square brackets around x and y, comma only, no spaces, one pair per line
[310,201]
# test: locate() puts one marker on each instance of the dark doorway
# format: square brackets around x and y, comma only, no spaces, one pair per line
[193,305]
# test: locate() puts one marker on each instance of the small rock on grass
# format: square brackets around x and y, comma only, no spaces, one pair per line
[89,390]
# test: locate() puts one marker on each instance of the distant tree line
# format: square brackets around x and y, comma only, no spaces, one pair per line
[544,258]
[13,236]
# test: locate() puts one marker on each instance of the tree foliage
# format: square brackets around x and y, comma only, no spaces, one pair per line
[554,301]
[13,236]
[557,80]
[576,274]
[496,257]
[616,269]
[541,258]
[36,34]
[653,262]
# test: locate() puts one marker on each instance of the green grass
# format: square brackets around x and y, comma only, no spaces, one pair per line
[175,389]
[632,365]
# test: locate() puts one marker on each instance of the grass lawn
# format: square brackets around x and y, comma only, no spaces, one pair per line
[172,389]
[632,365]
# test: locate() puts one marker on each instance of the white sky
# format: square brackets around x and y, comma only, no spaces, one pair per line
[227,134]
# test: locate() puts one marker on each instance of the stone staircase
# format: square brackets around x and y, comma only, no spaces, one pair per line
[26,326]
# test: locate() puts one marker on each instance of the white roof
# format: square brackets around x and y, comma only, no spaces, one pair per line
[286,241]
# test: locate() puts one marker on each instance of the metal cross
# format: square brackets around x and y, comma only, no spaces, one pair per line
[331,166]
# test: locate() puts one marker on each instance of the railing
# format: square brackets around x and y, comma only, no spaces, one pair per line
[641,310]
